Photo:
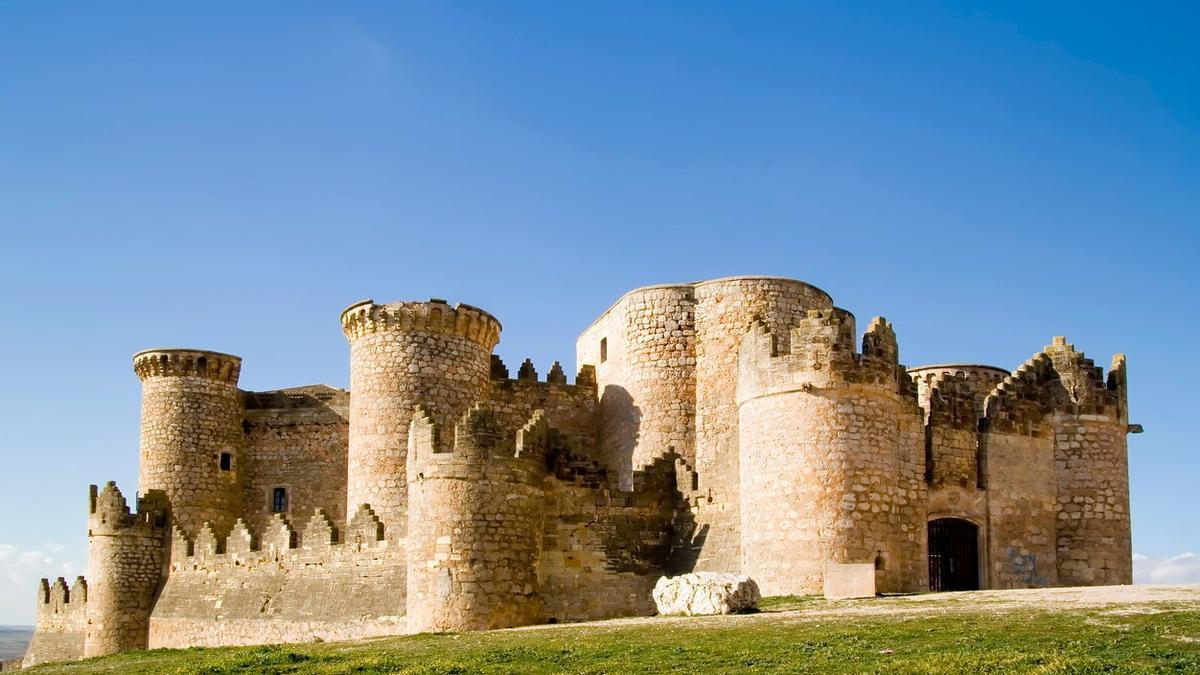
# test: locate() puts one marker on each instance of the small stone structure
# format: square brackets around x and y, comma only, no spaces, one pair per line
[706,593]
[728,426]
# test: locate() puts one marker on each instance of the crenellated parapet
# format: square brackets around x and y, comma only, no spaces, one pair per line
[527,375]
[821,354]
[109,513]
[211,365]
[480,441]
[435,316]
[61,620]
[319,539]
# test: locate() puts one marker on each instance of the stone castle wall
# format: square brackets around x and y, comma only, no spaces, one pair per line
[726,425]
[61,623]
[281,585]
[296,439]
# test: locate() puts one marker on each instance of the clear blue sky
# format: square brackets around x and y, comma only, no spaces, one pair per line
[231,175]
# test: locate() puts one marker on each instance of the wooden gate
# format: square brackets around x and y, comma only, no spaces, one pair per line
[953,555]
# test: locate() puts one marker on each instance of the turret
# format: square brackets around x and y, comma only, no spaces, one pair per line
[191,437]
[404,354]
[126,559]
[476,506]
[831,446]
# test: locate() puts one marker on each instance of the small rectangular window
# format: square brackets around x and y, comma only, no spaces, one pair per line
[279,500]
[603,350]
[226,461]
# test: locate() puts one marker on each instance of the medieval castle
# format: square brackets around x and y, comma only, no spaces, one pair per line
[726,425]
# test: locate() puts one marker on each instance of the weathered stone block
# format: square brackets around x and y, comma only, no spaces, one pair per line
[706,593]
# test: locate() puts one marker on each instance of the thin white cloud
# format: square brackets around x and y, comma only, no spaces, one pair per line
[19,574]
[1177,569]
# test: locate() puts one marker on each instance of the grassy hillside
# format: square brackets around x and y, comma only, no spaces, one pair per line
[961,633]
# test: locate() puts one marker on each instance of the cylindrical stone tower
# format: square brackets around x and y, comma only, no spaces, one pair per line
[831,446]
[644,353]
[724,309]
[192,436]
[126,553]
[402,355]
[475,525]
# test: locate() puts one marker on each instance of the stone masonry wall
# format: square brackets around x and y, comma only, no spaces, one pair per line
[1022,510]
[1092,473]
[61,623]
[296,439]
[191,414]
[280,585]
[604,548]
[402,355]
[569,408]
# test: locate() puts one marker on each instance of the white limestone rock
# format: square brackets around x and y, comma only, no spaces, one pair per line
[706,593]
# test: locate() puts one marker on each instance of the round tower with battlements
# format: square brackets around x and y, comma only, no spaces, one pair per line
[126,557]
[831,446]
[475,523]
[402,355]
[192,438]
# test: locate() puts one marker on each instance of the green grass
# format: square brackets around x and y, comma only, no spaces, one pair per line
[954,641]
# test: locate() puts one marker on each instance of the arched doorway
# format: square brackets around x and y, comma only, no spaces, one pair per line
[953,555]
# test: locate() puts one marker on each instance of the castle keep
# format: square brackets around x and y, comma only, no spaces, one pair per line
[735,425]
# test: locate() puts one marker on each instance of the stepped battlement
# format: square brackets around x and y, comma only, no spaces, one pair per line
[527,374]
[479,439]
[1057,379]
[820,354]
[109,514]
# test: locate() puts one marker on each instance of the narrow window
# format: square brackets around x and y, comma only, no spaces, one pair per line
[226,461]
[279,500]
[603,350]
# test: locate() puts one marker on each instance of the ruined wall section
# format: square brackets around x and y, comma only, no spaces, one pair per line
[402,355]
[191,416]
[126,562]
[1017,442]
[1091,458]
[476,511]
[604,548]
[642,349]
[832,454]
[280,585]
[724,310]
[296,439]
[61,623]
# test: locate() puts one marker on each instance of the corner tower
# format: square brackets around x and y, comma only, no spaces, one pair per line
[192,438]
[402,355]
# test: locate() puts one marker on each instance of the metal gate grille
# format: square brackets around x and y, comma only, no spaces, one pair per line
[953,555]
